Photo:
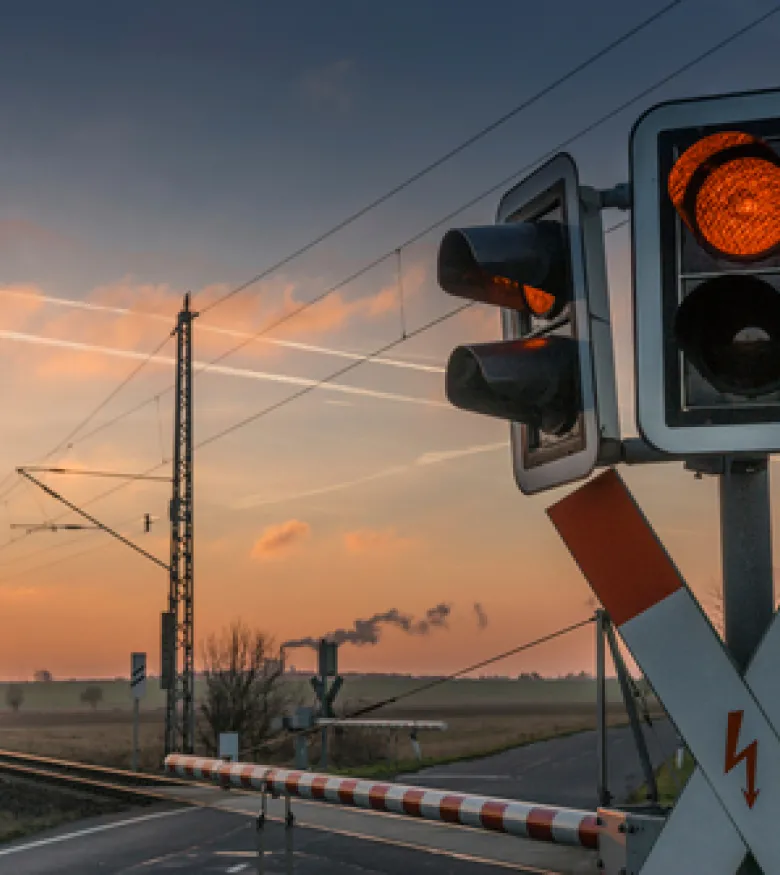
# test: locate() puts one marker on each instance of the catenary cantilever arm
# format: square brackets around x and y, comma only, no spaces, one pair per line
[49,491]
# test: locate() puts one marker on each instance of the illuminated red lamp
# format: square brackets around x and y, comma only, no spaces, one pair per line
[726,188]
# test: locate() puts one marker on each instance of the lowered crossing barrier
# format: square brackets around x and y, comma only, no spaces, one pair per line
[563,826]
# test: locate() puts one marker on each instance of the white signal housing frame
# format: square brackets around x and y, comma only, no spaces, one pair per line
[647,274]
[590,306]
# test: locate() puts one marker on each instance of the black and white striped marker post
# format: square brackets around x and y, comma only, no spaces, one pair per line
[138,689]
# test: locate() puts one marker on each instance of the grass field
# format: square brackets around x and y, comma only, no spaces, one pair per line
[489,693]
[25,810]
[483,716]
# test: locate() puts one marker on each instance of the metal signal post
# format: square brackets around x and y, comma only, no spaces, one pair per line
[180,704]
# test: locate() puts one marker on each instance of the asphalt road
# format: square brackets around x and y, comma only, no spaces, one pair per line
[561,771]
[222,838]
[198,840]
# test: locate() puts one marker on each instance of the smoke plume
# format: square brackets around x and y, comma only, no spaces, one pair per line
[369,631]
[482,617]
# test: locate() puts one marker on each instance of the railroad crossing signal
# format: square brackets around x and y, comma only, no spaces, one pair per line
[731,805]
[552,376]
[706,239]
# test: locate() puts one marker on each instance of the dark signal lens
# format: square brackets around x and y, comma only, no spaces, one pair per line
[729,328]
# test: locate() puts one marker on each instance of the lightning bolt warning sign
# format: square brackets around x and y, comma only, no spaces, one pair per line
[749,754]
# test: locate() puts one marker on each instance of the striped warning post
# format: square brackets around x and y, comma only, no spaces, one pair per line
[664,627]
[558,825]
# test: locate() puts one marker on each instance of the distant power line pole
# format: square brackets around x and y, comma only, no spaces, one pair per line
[180,706]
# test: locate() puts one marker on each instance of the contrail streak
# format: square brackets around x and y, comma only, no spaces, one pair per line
[430,458]
[224,370]
[229,332]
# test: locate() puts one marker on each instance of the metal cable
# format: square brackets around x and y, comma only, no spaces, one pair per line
[429,684]
[483,132]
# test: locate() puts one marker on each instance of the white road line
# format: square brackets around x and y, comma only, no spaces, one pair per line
[103,827]
[239,867]
[463,777]
[397,843]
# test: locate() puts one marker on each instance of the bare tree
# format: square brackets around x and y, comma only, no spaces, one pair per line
[92,695]
[14,696]
[242,674]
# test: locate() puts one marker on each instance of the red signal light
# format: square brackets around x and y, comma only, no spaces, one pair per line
[539,302]
[726,188]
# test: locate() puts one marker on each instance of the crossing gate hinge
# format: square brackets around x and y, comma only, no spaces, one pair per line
[625,840]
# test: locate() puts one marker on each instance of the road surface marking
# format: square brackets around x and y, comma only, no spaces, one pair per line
[526,868]
[91,830]
[454,777]
[239,867]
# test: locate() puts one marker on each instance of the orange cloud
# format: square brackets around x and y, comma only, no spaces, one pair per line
[135,317]
[335,311]
[279,538]
[374,541]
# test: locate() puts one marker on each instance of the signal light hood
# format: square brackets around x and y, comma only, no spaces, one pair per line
[532,381]
[519,265]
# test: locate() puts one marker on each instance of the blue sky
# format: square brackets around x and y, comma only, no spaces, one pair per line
[152,149]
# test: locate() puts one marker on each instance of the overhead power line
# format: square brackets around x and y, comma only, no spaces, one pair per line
[95,522]
[87,419]
[428,685]
[708,53]
[85,472]
[392,253]
[447,156]
[145,475]
[59,560]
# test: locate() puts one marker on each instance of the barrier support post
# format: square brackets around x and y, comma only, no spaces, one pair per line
[602,780]
[260,826]
[289,822]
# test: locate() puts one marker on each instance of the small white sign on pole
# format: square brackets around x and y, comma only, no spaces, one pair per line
[138,675]
[228,746]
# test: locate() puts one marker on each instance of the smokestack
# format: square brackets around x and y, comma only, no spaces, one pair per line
[482,617]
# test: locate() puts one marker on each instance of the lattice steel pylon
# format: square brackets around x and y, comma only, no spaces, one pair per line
[180,706]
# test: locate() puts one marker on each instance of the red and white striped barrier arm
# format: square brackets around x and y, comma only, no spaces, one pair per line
[563,826]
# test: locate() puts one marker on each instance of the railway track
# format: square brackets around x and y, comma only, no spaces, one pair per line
[137,787]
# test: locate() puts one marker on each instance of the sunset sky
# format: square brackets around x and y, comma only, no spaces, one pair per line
[151,149]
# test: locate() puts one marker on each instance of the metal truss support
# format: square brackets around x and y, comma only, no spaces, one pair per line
[180,706]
